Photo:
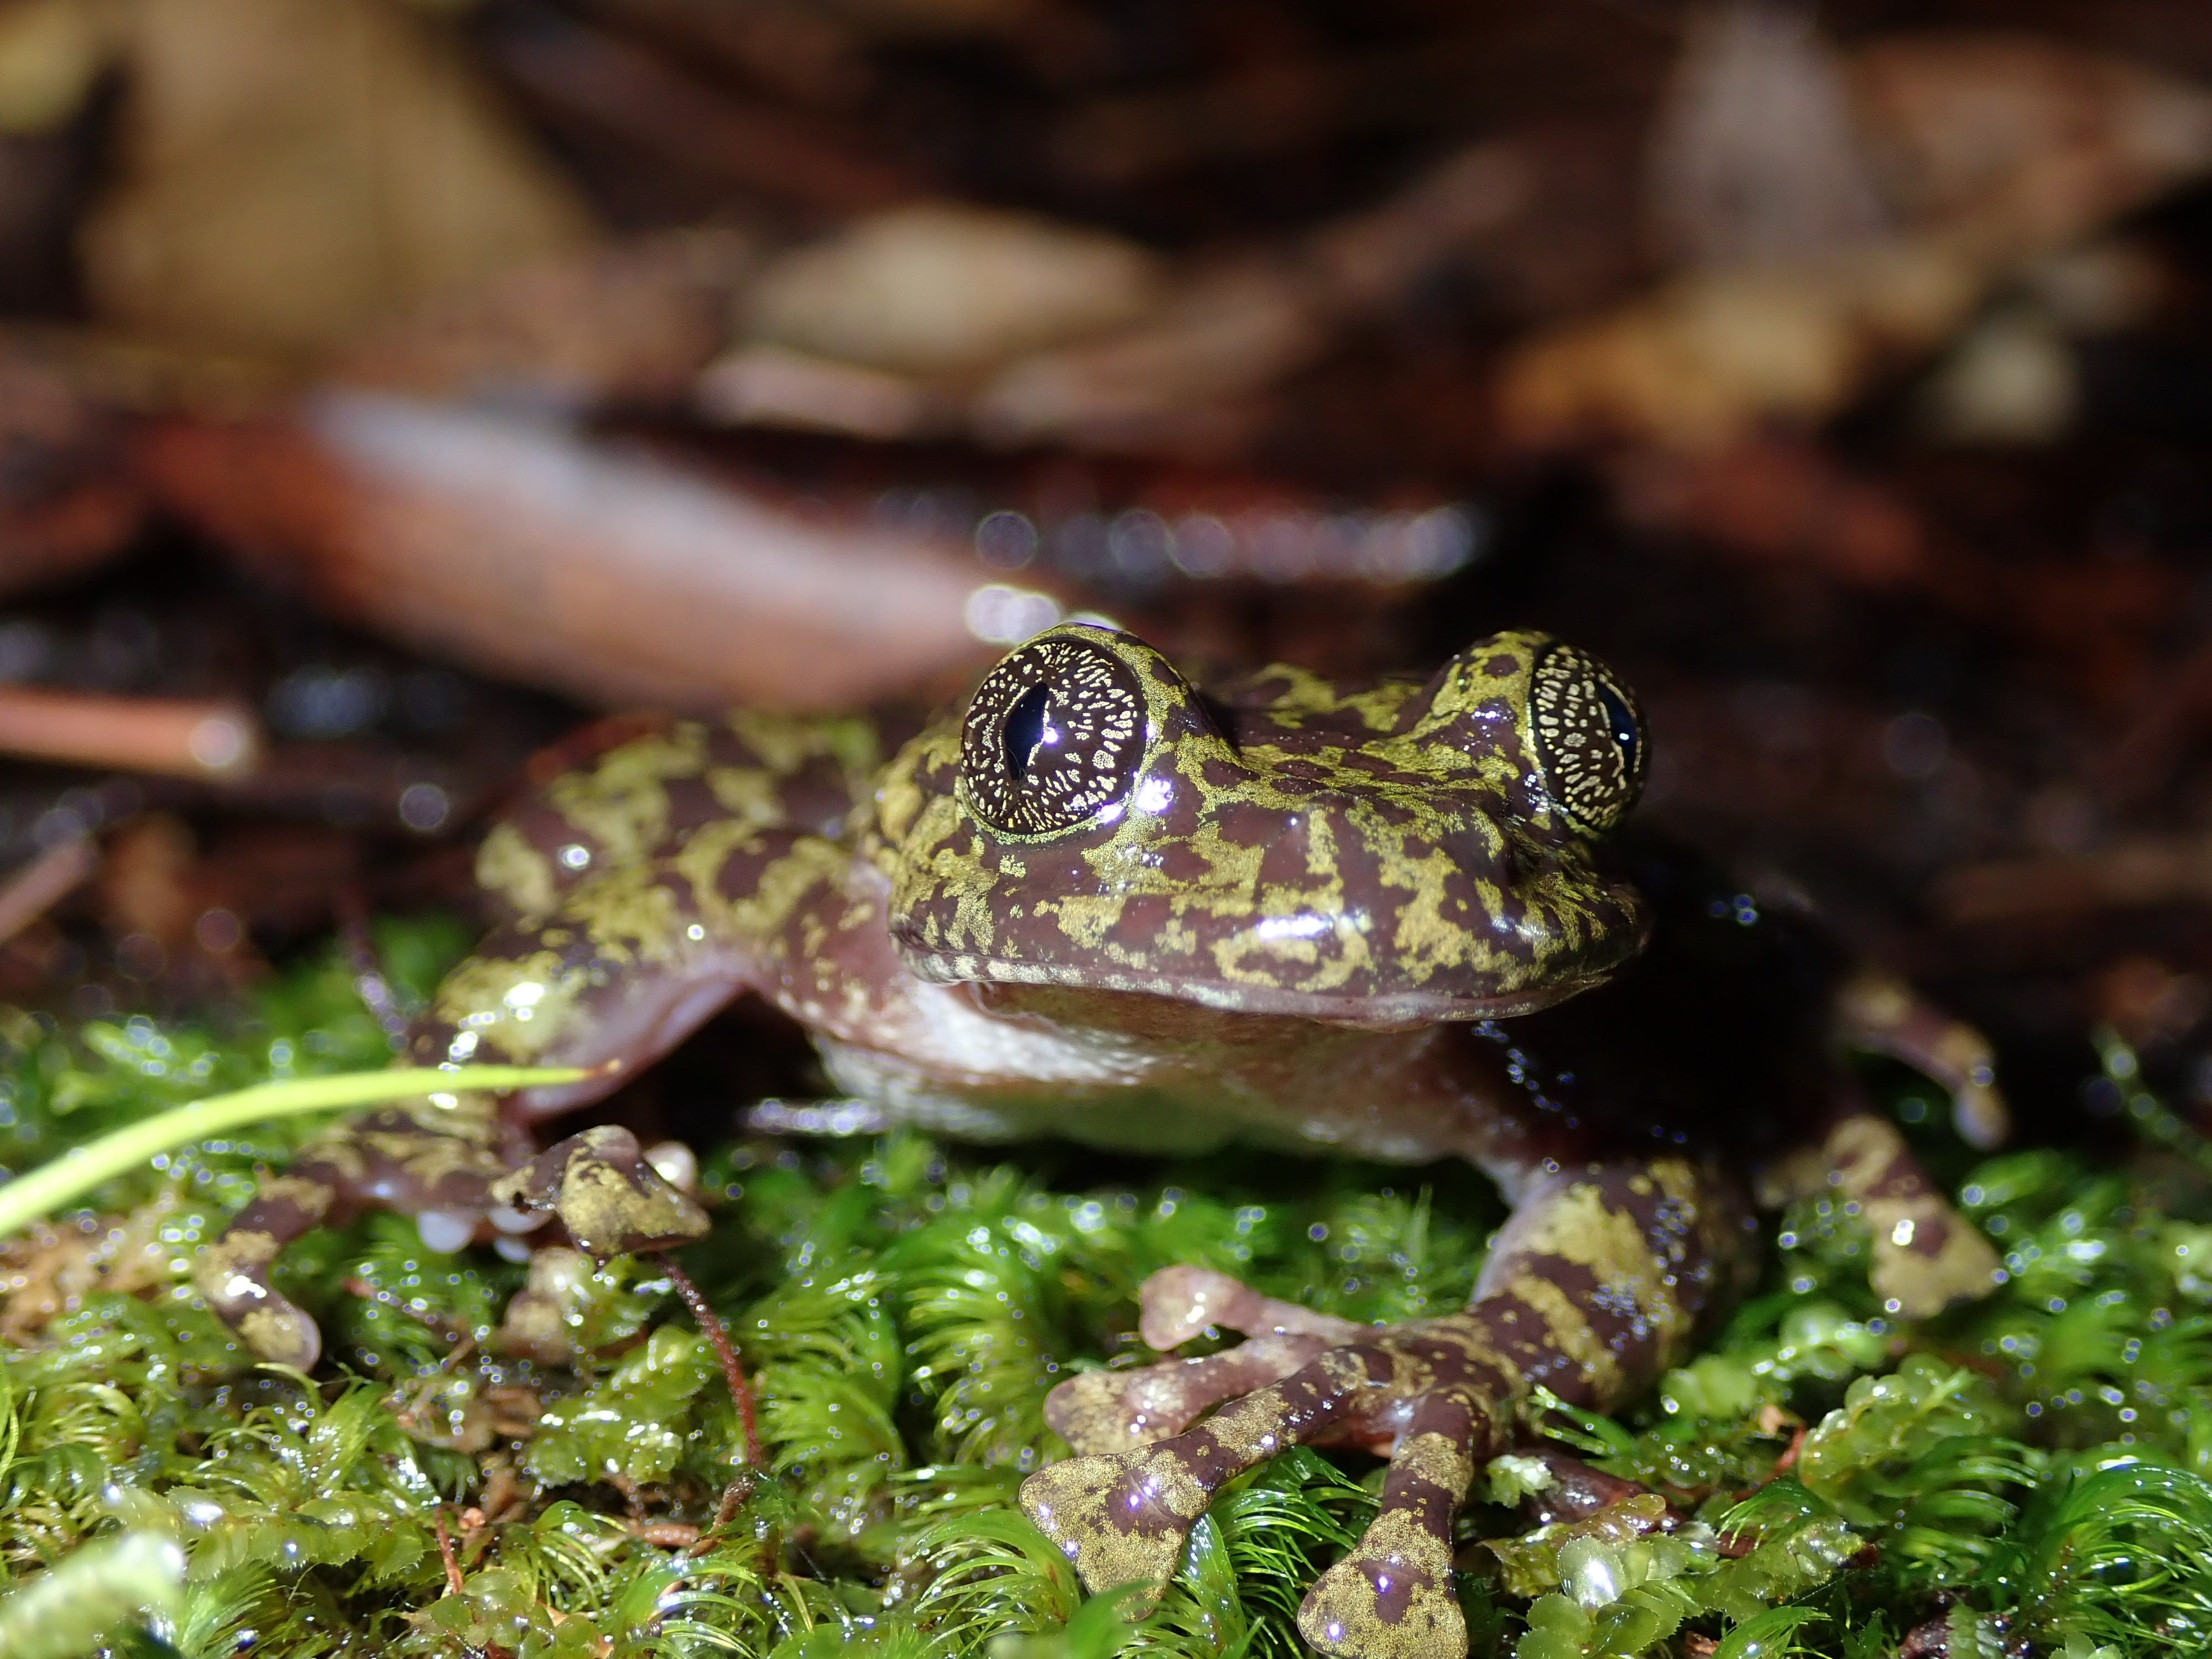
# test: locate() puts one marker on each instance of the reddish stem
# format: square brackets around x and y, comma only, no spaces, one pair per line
[446,1552]
[741,1392]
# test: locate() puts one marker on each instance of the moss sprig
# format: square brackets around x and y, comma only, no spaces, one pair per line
[2028,1473]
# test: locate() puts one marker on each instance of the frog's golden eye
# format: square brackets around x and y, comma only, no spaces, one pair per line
[1590,744]
[1053,737]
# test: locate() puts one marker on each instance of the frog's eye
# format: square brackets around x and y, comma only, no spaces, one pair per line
[1053,738]
[1589,736]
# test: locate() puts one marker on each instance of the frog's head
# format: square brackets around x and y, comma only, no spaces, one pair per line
[1381,857]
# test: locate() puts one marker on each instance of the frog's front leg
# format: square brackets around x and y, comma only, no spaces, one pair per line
[626,965]
[454,1167]
[1594,1287]
[433,1158]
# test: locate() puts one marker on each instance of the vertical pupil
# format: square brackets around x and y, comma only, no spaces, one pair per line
[1623,723]
[1026,729]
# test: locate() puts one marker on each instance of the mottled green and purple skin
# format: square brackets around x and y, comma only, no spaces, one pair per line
[1288,911]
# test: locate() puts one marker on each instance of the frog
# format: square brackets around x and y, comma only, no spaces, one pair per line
[1390,920]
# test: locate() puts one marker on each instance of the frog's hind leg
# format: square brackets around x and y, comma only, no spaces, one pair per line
[1112,1411]
[1878,1013]
[1594,1286]
[1926,1254]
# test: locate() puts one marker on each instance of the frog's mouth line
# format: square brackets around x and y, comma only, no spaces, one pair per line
[1395,1010]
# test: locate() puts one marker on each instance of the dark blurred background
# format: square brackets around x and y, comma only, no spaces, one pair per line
[386,386]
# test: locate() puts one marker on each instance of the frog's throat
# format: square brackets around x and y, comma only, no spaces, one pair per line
[1386,1011]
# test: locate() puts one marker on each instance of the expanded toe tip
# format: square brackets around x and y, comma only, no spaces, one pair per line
[279,1334]
[1114,1517]
[1364,1607]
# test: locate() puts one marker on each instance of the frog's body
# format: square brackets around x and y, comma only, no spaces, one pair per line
[1100,905]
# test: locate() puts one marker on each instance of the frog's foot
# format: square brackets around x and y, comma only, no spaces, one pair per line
[1577,1491]
[607,1193]
[435,1161]
[1593,1286]
[1880,1014]
[1394,1593]
[1123,1516]
[1126,1518]
[1112,1411]
[1926,1254]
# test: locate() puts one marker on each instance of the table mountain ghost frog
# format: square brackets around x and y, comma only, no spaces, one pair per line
[1100,904]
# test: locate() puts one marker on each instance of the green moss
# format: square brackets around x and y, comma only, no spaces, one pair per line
[2030,1471]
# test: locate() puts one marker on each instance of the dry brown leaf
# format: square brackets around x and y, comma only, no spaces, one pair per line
[773,386]
[530,553]
[2141,872]
[1755,154]
[1778,502]
[629,322]
[67,500]
[2019,144]
[1709,357]
[946,288]
[1172,381]
[941,319]
[1996,151]
[51,1268]
[292,169]
[51,53]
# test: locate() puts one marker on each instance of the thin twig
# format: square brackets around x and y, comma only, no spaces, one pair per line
[741,1395]
[733,1496]
[38,886]
[184,738]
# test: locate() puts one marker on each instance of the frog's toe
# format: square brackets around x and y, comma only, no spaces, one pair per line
[1114,1411]
[1927,1261]
[234,1277]
[1178,1304]
[1393,1597]
[608,1195]
[234,1273]
[1121,1519]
